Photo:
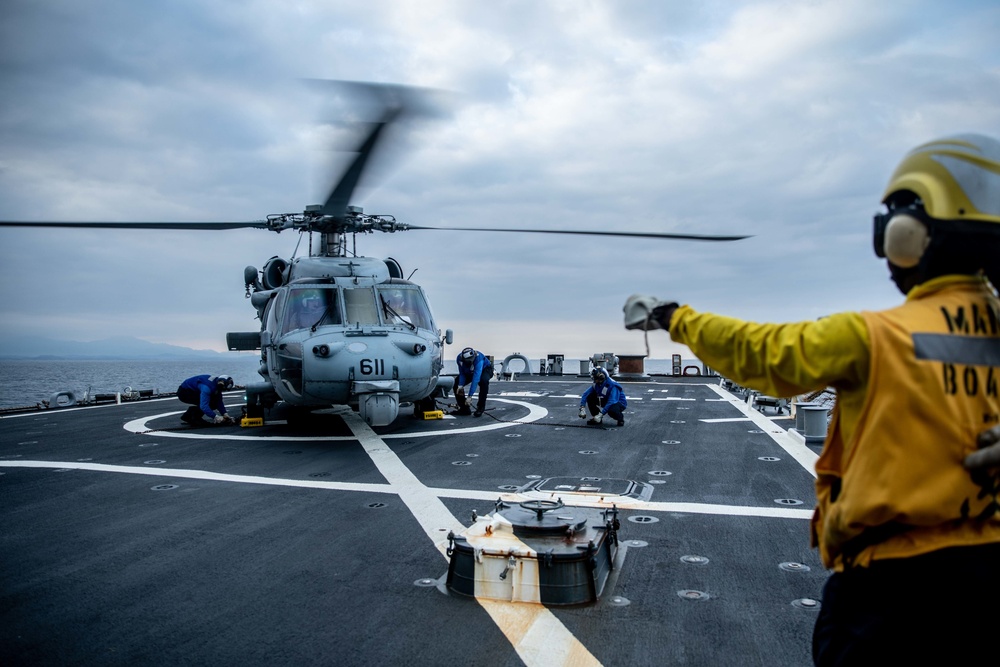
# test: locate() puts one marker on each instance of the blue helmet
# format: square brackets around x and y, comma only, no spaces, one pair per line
[598,375]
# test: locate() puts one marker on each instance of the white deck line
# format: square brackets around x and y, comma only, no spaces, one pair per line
[537,635]
[788,442]
[139,426]
[579,501]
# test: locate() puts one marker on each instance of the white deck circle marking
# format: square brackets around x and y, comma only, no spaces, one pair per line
[139,426]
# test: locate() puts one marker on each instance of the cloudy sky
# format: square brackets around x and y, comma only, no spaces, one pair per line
[779,119]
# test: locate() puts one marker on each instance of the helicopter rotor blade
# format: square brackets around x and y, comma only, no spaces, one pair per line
[385,104]
[258,224]
[336,203]
[645,235]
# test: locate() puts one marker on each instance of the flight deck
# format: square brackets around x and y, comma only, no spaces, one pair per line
[127,537]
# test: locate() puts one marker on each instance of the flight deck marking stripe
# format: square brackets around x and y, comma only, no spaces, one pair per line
[797,450]
[202,474]
[538,637]
[727,419]
[139,426]
[622,503]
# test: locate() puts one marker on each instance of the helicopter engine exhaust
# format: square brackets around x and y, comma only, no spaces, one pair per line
[274,273]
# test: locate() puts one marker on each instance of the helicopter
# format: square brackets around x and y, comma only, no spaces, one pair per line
[338,328]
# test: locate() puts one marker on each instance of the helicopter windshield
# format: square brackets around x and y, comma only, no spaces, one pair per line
[360,305]
[406,305]
[310,307]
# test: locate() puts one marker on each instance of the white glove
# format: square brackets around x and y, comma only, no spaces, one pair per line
[988,455]
[218,419]
[639,312]
[583,412]
[598,418]
[228,419]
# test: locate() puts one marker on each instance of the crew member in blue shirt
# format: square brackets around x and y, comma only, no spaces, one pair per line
[604,397]
[474,373]
[204,394]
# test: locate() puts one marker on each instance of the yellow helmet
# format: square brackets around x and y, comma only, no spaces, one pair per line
[956,178]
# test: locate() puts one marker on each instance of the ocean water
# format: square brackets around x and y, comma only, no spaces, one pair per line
[27,382]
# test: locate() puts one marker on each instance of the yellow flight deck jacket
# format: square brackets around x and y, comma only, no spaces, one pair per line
[915,386]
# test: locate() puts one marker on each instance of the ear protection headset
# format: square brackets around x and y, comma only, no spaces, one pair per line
[902,236]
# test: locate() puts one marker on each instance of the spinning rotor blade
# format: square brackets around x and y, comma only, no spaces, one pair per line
[259,224]
[388,104]
[645,235]
[336,204]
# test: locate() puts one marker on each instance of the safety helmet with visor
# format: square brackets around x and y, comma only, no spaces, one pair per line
[312,301]
[951,184]
[224,382]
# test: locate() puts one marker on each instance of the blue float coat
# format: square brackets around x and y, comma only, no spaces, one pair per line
[471,376]
[205,387]
[608,389]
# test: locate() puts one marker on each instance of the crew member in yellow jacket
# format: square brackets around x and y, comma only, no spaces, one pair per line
[912,534]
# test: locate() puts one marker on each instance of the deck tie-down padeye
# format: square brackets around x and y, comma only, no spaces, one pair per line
[537,551]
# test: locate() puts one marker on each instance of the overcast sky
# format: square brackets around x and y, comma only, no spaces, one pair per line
[778,119]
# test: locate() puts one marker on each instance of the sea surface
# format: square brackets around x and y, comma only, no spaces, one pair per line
[28,382]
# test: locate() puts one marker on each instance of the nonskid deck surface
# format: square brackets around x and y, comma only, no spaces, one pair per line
[128,538]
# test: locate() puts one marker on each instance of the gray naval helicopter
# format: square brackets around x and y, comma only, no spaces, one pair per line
[338,328]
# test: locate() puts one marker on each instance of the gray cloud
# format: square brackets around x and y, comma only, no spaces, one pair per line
[782,121]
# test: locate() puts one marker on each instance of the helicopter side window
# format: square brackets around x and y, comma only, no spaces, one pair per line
[360,306]
[309,308]
[405,305]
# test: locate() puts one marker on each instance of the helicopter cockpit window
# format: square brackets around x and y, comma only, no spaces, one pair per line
[310,307]
[404,305]
[360,305]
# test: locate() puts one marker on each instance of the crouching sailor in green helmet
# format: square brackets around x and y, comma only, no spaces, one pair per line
[604,397]
[907,511]
[204,394]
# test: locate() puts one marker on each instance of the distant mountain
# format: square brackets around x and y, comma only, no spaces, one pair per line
[120,347]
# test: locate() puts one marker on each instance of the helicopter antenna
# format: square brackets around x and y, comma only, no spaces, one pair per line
[298,243]
[411,273]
